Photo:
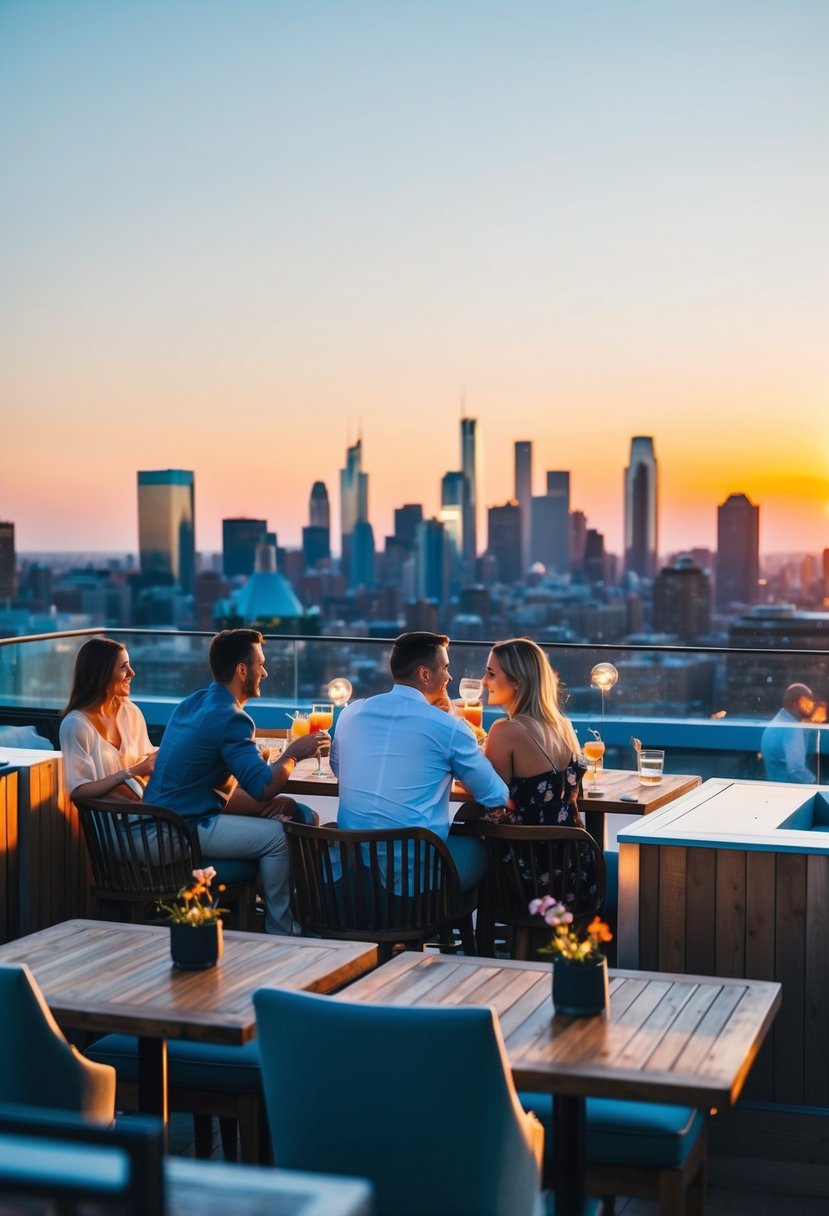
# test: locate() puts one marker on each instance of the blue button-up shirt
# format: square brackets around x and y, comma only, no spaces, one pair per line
[395,756]
[209,737]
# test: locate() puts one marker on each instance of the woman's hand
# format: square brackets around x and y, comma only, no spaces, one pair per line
[144,767]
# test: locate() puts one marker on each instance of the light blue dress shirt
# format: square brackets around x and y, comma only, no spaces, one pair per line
[783,747]
[395,756]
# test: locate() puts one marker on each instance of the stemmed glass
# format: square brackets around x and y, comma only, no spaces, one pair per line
[594,753]
[472,691]
[322,718]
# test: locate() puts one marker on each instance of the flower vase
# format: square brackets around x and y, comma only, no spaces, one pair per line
[196,947]
[580,990]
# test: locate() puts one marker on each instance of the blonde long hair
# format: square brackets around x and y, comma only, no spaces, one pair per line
[536,686]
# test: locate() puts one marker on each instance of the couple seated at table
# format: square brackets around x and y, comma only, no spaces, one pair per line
[395,754]
[208,746]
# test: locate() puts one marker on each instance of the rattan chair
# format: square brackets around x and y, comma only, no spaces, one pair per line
[397,887]
[526,862]
[142,854]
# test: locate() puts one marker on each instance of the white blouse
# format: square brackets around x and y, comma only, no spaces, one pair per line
[88,756]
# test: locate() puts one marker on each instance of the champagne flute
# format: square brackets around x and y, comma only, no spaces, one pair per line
[322,718]
[594,753]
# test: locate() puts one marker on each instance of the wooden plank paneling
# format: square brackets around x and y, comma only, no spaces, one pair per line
[700,935]
[816,994]
[649,863]
[790,962]
[731,912]
[672,909]
[761,871]
[9,859]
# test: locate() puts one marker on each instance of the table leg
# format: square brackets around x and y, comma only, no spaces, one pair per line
[595,823]
[570,1162]
[152,1078]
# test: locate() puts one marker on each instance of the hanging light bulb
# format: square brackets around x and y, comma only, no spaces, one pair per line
[604,676]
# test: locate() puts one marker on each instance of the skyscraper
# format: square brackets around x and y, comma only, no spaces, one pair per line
[550,532]
[166,528]
[239,540]
[523,496]
[469,514]
[353,500]
[406,519]
[738,551]
[504,542]
[319,512]
[641,507]
[8,563]
[431,573]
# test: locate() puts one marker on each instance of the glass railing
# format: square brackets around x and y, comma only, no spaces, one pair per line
[706,707]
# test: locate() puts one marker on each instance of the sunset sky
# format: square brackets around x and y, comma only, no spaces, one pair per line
[237,233]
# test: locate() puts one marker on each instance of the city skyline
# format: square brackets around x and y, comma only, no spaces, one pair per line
[242,236]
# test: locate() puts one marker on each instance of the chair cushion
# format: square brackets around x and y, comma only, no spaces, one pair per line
[233,871]
[25,737]
[230,1070]
[629,1133]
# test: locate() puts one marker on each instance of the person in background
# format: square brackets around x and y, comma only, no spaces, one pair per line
[783,743]
[103,736]
[395,755]
[210,739]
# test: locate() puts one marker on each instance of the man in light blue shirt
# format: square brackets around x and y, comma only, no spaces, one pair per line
[395,755]
[783,744]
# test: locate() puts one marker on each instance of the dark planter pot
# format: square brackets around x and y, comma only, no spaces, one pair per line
[580,990]
[196,947]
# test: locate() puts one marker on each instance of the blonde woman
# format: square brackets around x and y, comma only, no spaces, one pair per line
[535,749]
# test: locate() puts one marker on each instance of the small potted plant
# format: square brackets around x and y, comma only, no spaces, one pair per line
[196,924]
[580,987]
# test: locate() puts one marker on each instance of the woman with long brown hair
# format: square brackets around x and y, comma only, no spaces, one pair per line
[103,736]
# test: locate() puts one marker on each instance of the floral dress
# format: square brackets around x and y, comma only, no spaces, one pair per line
[548,800]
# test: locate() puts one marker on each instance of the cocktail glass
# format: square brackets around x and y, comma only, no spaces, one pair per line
[594,755]
[322,718]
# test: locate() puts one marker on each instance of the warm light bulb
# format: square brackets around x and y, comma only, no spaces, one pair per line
[339,691]
[604,676]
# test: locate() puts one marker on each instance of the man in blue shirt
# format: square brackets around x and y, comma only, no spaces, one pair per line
[783,744]
[210,738]
[395,755]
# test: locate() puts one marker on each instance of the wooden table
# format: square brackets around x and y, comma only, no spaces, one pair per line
[623,795]
[104,977]
[688,1040]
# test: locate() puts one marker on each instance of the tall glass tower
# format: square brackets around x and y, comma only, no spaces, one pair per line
[319,515]
[353,500]
[469,468]
[738,551]
[523,496]
[641,508]
[166,528]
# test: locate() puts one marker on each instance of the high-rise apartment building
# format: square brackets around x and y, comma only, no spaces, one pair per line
[641,507]
[469,514]
[8,563]
[406,519]
[431,562]
[682,600]
[505,540]
[353,501]
[550,531]
[239,540]
[738,551]
[523,496]
[166,525]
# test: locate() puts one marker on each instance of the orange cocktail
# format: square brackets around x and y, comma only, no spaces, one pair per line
[473,712]
[321,719]
[300,726]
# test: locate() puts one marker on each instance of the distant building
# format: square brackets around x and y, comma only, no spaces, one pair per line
[240,537]
[267,601]
[738,551]
[523,496]
[362,555]
[469,468]
[353,501]
[505,540]
[316,537]
[682,600]
[550,531]
[578,539]
[431,562]
[406,519]
[319,509]
[756,682]
[595,560]
[641,508]
[8,563]
[166,526]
